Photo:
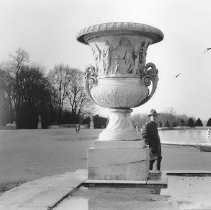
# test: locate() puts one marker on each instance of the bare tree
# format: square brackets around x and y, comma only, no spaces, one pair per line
[59,78]
[19,58]
[7,82]
[9,74]
[68,85]
[76,93]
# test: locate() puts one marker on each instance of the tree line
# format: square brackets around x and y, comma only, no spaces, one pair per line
[170,119]
[28,93]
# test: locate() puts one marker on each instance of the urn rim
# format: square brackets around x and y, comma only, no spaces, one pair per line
[120,28]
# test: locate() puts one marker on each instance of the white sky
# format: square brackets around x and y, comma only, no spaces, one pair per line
[47,30]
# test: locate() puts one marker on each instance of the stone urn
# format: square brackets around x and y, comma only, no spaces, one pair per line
[120,78]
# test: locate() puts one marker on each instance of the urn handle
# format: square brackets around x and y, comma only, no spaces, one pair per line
[149,76]
[90,80]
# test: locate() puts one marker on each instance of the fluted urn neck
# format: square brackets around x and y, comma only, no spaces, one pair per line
[116,28]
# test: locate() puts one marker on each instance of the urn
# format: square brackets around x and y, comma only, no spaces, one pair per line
[120,78]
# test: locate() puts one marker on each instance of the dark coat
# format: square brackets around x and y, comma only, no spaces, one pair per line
[151,137]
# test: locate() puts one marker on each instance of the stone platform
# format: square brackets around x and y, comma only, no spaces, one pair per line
[156,181]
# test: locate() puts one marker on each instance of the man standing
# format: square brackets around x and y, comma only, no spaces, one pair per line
[151,137]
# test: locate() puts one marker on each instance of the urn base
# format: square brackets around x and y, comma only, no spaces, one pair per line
[119,127]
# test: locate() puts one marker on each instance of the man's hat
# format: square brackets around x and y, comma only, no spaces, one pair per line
[153,112]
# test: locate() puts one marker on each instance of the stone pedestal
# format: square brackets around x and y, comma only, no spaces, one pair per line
[118,160]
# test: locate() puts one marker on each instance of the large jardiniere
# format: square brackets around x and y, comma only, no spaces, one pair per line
[120,78]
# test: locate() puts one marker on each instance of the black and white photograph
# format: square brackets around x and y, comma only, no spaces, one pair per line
[105,105]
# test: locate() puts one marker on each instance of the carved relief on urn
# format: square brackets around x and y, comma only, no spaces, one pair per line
[122,56]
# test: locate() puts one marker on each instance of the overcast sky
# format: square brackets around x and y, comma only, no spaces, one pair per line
[47,30]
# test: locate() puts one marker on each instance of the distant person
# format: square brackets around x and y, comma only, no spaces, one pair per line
[151,137]
[77,128]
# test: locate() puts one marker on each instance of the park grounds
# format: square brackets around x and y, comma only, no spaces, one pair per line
[27,155]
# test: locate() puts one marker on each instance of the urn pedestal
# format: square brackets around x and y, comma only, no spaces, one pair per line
[118,160]
[120,79]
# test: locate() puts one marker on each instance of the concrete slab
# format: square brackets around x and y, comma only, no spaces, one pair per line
[43,193]
[188,172]
[113,183]
[157,179]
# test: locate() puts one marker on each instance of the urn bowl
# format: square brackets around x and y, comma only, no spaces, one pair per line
[119,76]
[119,92]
